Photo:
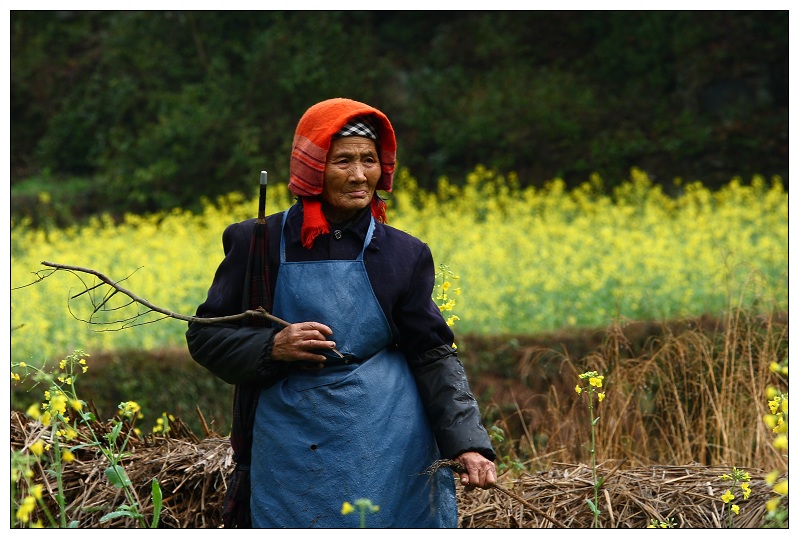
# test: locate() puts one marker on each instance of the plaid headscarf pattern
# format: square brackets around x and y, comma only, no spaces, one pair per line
[363,126]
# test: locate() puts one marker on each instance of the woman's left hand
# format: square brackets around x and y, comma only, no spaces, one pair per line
[480,472]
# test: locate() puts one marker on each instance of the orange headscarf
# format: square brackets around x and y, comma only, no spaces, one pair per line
[309,157]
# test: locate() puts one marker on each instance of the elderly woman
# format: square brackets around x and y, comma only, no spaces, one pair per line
[362,391]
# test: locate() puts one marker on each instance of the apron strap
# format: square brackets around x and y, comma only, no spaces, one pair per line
[366,242]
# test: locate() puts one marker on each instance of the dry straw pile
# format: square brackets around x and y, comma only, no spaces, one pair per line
[193,472]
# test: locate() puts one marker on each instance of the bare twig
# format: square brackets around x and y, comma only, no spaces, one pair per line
[255,313]
[457,467]
[260,312]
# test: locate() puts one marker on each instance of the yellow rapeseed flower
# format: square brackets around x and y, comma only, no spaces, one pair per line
[774,404]
[746,490]
[37,447]
[774,366]
[578,389]
[76,405]
[727,497]
[780,442]
[347,508]
[601,396]
[26,508]
[772,504]
[67,456]
[735,509]
[33,412]
[781,488]
[771,477]
[36,491]
[15,377]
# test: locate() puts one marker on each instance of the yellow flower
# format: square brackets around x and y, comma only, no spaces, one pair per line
[129,408]
[781,488]
[772,504]
[771,477]
[37,524]
[33,412]
[578,389]
[770,420]
[735,509]
[347,508]
[746,490]
[76,405]
[23,364]
[36,491]
[67,456]
[58,403]
[601,396]
[774,404]
[26,508]
[37,447]
[446,286]
[780,442]
[15,377]
[596,381]
[774,366]
[727,497]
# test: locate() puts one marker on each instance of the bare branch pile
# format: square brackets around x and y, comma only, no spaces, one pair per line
[192,474]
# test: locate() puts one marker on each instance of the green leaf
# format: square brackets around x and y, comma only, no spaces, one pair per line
[117,514]
[114,434]
[156,503]
[73,525]
[117,476]
[591,504]
[595,421]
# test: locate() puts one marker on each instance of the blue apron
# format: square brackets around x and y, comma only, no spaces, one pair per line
[353,429]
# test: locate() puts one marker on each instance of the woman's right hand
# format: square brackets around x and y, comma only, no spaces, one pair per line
[301,342]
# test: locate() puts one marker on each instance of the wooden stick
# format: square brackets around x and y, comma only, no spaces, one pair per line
[260,312]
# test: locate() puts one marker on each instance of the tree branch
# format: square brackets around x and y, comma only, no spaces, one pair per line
[254,313]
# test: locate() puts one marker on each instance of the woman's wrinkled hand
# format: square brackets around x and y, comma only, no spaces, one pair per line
[302,342]
[480,472]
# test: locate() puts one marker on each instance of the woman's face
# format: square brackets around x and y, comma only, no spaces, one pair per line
[351,175]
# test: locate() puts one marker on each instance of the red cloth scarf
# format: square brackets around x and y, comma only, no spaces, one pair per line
[309,158]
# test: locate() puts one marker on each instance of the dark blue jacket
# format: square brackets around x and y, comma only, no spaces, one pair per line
[401,270]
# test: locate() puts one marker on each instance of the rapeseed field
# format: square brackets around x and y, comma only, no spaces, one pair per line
[528,260]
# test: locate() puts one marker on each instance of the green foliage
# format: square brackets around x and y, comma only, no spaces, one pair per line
[69,427]
[144,110]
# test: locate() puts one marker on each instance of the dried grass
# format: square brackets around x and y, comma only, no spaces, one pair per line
[192,475]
